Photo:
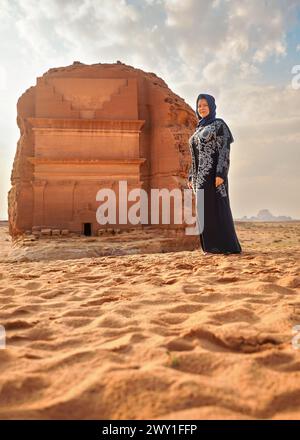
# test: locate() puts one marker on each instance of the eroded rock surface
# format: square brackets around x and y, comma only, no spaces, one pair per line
[87,127]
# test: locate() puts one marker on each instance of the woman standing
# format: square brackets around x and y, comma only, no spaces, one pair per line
[210,150]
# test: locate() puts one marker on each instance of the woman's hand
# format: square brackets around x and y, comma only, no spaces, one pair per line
[190,185]
[219,181]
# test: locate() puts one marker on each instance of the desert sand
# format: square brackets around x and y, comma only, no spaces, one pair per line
[173,335]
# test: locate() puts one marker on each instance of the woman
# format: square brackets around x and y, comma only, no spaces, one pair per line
[210,150]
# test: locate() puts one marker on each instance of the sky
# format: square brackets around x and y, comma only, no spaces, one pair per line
[244,53]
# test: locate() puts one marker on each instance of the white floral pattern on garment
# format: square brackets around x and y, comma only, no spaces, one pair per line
[210,143]
[221,189]
[204,140]
[223,146]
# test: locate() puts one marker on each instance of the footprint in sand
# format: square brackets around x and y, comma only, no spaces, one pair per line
[206,339]
[32,285]
[78,313]
[290,281]
[7,291]
[26,310]
[173,319]
[190,288]
[19,324]
[227,279]
[111,322]
[163,331]
[91,278]
[170,281]
[233,341]
[39,333]
[184,308]
[207,298]
[275,288]
[127,313]
[205,364]
[157,302]
[53,294]
[169,319]
[255,300]
[249,343]
[71,359]
[235,315]
[185,266]
[100,301]
[75,322]
[22,389]
[123,343]
[278,361]
[111,290]
[267,278]
[179,344]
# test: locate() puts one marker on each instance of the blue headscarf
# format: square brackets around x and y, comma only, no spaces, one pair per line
[212,110]
[212,113]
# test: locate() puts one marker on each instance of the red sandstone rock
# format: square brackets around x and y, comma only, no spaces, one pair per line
[84,127]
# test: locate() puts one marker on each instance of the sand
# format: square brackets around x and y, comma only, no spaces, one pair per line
[175,335]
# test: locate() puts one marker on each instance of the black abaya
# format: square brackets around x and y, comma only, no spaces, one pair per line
[210,150]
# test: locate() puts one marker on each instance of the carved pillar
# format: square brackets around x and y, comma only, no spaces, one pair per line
[39,202]
[75,186]
[68,188]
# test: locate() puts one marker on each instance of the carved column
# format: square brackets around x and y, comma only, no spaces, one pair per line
[39,202]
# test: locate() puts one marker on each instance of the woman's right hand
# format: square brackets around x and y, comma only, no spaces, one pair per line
[190,185]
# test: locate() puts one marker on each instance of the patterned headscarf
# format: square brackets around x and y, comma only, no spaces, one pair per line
[212,110]
[212,114]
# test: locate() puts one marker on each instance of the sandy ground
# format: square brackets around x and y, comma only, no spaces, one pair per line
[165,335]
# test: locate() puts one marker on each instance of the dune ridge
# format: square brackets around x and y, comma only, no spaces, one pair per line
[173,335]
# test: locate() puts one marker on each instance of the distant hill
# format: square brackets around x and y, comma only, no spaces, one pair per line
[264,215]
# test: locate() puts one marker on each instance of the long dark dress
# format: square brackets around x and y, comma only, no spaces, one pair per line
[210,150]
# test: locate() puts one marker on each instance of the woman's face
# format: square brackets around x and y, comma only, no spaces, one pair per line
[203,107]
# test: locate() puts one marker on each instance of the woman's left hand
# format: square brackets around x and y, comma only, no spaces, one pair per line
[219,181]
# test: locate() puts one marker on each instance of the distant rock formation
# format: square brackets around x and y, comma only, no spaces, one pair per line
[264,215]
[84,127]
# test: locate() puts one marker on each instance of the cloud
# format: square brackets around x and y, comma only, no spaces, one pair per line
[220,47]
[195,32]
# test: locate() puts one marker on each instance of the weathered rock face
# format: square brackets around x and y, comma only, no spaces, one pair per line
[87,127]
